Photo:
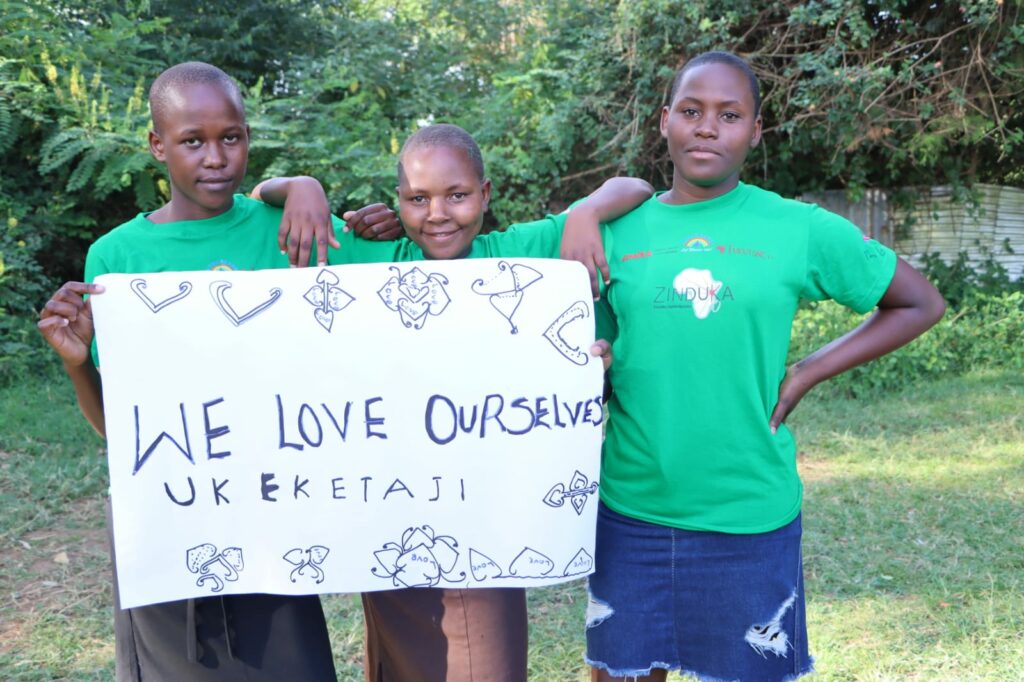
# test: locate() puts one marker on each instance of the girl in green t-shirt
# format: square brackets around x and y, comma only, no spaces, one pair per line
[425,634]
[698,564]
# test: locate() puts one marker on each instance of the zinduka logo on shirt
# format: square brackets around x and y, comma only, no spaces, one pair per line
[695,289]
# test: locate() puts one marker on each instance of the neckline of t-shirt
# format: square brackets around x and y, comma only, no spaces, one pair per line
[733,196]
[204,228]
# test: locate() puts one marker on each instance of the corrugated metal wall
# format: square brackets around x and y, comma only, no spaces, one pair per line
[994,226]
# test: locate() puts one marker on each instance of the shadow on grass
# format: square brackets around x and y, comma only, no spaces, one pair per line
[914,541]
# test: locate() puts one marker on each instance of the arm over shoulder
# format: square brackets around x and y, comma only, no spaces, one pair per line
[536,239]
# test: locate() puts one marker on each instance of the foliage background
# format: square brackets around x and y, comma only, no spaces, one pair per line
[913,496]
[559,93]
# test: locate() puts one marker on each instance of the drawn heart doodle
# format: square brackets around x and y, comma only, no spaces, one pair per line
[482,566]
[415,294]
[555,496]
[139,287]
[413,314]
[218,290]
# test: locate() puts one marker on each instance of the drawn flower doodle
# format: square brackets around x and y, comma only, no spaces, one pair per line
[327,298]
[414,295]
[421,559]
[222,567]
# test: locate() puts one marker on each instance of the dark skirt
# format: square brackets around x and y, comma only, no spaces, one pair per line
[251,637]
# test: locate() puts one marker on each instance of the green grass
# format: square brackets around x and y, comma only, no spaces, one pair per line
[55,617]
[914,532]
[914,541]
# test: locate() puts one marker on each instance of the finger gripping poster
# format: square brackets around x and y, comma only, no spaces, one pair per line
[347,429]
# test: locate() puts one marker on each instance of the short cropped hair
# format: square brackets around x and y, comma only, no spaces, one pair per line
[727,58]
[444,135]
[185,74]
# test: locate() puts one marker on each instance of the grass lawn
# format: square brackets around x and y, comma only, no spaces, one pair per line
[913,541]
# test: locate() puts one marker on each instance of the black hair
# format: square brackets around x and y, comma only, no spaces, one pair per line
[185,74]
[727,58]
[444,135]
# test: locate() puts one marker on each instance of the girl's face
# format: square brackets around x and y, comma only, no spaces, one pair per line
[203,140]
[710,127]
[441,200]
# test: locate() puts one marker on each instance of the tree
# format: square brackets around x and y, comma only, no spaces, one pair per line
[560,94]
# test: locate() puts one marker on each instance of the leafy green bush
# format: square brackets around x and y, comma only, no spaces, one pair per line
[559,94]
[986,332]
[959,280]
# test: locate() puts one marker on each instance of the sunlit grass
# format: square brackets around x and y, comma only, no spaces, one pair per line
[913,542]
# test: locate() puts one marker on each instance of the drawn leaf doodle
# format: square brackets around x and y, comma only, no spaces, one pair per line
[482,566]
[531,564]
[579,564]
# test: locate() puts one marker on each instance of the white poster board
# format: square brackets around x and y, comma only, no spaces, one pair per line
[350,429]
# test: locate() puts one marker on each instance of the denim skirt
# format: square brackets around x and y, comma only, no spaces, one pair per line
[718,606]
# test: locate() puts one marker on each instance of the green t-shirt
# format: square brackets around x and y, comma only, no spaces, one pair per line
[537,239]
[242,238]
[700,309]
[245,238]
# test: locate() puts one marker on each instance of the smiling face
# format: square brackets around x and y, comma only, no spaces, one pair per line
[710,126]
[202,137]
[441,200]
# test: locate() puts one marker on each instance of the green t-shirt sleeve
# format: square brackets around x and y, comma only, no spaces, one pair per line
[95,265]
[845,265]
[536,239]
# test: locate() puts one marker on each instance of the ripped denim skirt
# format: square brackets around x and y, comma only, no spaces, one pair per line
[717,606]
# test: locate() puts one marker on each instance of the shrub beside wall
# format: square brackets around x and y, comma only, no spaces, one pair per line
[987,331]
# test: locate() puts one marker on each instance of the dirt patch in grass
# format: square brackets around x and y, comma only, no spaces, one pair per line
[54,571]
[814,470]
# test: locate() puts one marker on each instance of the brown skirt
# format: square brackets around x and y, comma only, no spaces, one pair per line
[441,635]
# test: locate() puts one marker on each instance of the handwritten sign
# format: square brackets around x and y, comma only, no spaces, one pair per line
[346,429]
